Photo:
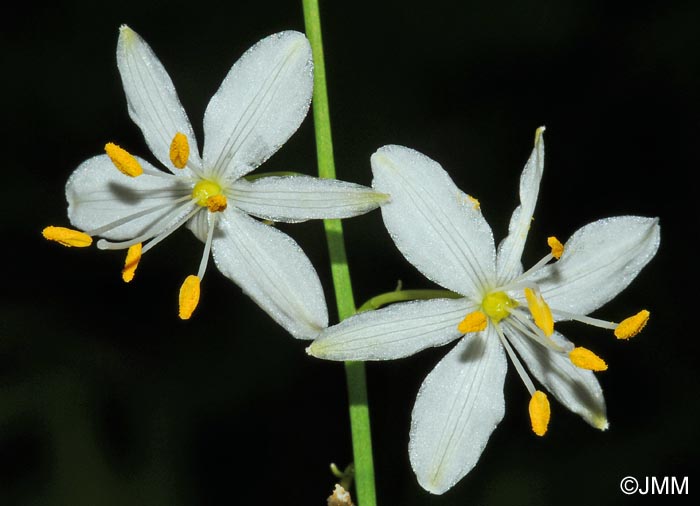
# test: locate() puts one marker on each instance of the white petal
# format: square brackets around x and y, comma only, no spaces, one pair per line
[273,270]
[395,331]
[511,248]
[458,407]
[599,261]
[260,104]
[99,194]
[199,225]
[435,225]
[299,198]
[577,389]
[152,99]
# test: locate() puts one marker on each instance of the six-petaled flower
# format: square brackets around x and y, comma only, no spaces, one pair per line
[133,205]
[503,310]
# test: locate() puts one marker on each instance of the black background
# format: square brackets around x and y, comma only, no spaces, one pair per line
[106,397]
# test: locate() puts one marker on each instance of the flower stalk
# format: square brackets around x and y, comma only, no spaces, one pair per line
[354,371]
[401,295]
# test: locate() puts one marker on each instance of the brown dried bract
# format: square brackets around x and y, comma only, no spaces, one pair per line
[340,497]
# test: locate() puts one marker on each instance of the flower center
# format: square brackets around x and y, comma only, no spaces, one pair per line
[497,305]
[204,190]
[210,195]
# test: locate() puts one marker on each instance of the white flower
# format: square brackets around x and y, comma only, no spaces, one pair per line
[504,311]
[260,104]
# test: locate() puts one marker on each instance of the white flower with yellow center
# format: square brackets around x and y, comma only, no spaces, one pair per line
[133,205]
[503,311]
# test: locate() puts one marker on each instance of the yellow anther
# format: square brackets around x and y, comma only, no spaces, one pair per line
[133,256]
[123,160]
[630,327]
[67,236]
[216,203]
[473,322]
[179,150]
[475,202]
[498,305]
[203,190]
[540,311]
[539,412]
[557,247]
[586,359]
[189,296]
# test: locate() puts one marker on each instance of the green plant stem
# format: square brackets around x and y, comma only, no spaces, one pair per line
[404,295]
[354,371]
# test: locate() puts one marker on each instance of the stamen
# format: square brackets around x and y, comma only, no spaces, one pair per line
[557,247]
[473,322]
[123,160]
[67,237]
[156,230]
[189,297]
[596,322]
[172,227]
[475,202]
[586,359]
[539,412]
[516,362]
[216,203]
[522,281]
[522,322]
[630,327]
[207,247]
[140,214]
[540,311]
[133,256]
[179,150]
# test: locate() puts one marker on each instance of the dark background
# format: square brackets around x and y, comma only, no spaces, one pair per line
[107,398]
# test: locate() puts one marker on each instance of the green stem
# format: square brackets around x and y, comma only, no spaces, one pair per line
[354,371]
[261,175]
[405,295]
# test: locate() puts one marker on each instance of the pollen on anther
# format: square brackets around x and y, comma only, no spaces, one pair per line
[133,256]
[630,327]
[473,322]
[539,412]
[586,359]
[123,160]
[540,311]
[557,247]
[67,237]
[216,203]
[179,150]
[189,296]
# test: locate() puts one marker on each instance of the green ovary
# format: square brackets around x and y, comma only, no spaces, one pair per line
[498,305]
[204,190]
